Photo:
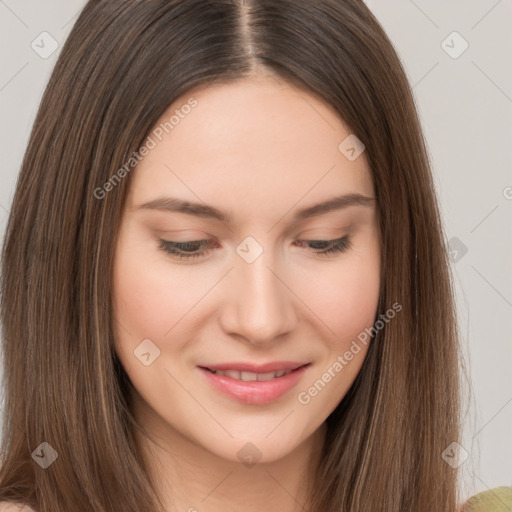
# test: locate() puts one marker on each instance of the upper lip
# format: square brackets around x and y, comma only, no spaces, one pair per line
[273,366]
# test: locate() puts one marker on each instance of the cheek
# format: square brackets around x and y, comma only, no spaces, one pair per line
[146,302]
[346,300]
[151,296]
[357,303]
[345,297]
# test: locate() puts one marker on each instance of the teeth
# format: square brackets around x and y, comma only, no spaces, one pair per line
[251,376]
[266,376]
[232,373]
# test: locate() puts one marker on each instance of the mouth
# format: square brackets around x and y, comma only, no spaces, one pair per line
[250,376]
[249,386]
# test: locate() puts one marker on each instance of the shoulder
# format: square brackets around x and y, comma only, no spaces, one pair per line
[498,499]
[6,506]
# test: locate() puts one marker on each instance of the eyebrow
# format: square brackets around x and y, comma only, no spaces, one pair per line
[172,204]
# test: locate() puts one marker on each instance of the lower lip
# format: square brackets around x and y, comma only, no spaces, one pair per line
[255,392]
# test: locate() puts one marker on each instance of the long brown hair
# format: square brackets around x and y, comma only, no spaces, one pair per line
[122,65]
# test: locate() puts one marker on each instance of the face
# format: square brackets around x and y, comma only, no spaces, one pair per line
[222,263]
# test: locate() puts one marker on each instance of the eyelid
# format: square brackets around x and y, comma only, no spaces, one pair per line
[325,231]
[333,247]
[194,234]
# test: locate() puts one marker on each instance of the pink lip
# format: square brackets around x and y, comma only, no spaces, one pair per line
[274,366]
[255,392]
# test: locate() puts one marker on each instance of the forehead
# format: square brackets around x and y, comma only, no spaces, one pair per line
[247,143]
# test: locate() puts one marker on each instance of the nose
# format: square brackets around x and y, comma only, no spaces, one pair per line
[261,303]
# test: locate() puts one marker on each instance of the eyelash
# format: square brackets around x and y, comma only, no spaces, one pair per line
[179,249]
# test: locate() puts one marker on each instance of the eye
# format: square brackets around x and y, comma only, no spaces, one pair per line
[196,248]
[186,249]
[328,247]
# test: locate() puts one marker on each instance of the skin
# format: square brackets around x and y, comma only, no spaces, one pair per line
[258,149]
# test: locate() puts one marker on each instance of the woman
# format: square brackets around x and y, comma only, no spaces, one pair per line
[225,283]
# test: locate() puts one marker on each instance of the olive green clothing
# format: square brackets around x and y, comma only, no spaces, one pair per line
[498,499]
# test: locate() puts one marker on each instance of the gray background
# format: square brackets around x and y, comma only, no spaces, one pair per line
[465,105]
